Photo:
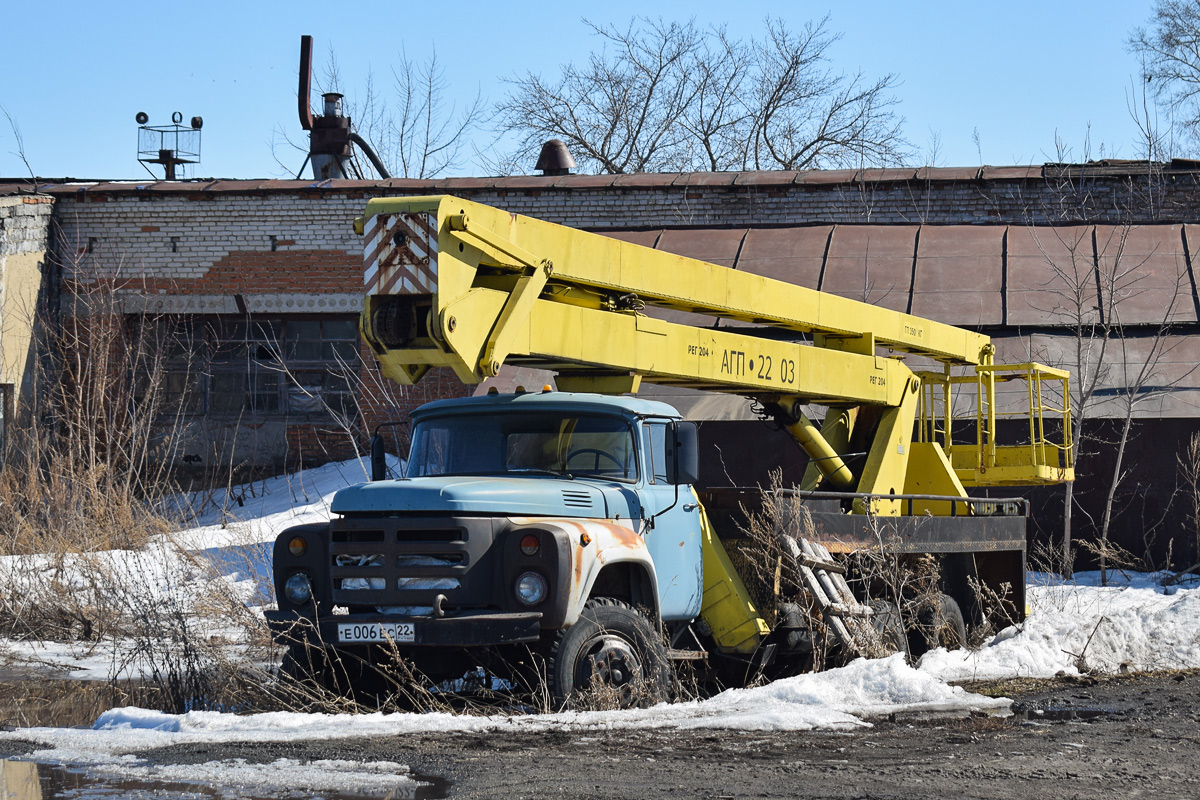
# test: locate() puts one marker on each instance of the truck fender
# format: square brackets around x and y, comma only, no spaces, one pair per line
[594,546]
[313,561]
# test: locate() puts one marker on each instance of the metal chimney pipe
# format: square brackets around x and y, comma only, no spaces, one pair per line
[305,90]
[329,134]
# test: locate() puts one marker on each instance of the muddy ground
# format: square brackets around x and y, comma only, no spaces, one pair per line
[1119,736]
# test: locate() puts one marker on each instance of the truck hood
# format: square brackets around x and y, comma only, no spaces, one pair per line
[490,495]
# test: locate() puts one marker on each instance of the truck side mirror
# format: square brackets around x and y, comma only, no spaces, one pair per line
[683,453]
[378,459]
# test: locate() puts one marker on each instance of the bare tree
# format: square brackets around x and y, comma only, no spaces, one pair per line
[1137,361]
[417,130]
[1069,257]
[717,118]
[1116,356]
[1189,469]
[426,133]
[619,112]
[19,141]
[810,117]
[661,96]
[1170,50]
[1118,349]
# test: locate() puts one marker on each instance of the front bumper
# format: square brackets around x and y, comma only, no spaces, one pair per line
[463,629]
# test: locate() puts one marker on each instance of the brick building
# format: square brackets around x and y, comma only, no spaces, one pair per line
[24,234]
[259,284]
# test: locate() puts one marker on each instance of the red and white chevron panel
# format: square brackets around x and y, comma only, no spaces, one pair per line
[400,254]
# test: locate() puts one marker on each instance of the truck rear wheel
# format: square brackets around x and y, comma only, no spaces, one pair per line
[612,652]
[939,624]
[889,627]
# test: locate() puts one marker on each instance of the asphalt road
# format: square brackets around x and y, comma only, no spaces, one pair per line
[1119,736]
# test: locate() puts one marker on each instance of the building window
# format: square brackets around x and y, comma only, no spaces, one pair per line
[257,366]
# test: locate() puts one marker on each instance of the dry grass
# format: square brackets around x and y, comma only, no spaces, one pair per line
[49,702]
[86,555]
[87,504]
[315,677]
[600,696]
[907,587]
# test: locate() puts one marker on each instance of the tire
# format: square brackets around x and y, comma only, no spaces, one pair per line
[940,624]
[951,631]
[887,623]
[321,674]
[612,650]
[308,666]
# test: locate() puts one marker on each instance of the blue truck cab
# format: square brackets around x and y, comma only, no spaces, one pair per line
[517,515]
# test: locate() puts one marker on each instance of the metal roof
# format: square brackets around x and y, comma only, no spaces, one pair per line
[764,178]
[960,275]
[871,263]
[968,275]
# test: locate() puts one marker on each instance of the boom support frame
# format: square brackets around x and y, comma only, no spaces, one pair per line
[451,283]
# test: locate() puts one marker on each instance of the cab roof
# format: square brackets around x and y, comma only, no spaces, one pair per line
[551,400]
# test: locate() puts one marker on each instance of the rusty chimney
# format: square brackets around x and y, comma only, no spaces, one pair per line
[555,159]
[329,134]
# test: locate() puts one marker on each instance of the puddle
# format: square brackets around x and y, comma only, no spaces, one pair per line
[1018,715]
[26,780]
[1061,714]
[56,703]
[903,717]
[63,703]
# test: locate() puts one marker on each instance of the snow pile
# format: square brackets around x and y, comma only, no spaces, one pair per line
[837,699]
[260,510]
[1073,625]
[1133,625]
[230,546]
[238,778]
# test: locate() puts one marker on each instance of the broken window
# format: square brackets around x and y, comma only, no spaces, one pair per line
[250,367]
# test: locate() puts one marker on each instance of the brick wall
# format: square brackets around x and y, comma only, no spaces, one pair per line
[173,233]
[288,247]
[25,223]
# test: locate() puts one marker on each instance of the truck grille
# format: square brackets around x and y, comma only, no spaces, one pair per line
[409,561]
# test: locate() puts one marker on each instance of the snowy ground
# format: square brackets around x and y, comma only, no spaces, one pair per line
[1134,625]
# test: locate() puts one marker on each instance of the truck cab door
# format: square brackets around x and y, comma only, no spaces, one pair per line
[671,528]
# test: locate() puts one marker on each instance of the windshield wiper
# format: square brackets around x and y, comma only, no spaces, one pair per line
[502,473]
[537,471]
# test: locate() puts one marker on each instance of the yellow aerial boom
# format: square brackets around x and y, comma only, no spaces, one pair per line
[451,283]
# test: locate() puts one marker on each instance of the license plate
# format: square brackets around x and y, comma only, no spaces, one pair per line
[377,632]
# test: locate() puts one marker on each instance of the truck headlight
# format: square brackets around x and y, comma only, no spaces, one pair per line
[531,588]
[298,589]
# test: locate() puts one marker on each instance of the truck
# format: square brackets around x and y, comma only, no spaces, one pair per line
[560,531]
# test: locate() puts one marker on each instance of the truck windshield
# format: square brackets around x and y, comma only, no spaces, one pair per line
[524,442]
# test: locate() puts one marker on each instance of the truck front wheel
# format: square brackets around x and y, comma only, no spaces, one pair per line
[612,657]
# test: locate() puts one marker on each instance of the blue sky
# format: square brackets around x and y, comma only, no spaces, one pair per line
[73,74]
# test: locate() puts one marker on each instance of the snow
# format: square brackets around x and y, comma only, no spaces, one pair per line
[833,700]
[386,778]
[231,540]
[260,510]
[1132,624]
